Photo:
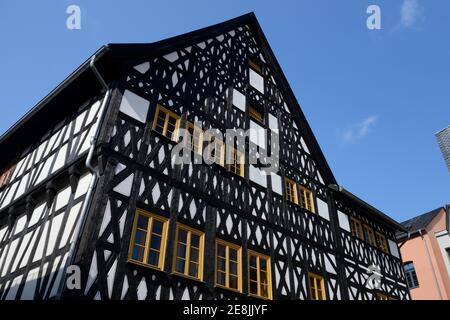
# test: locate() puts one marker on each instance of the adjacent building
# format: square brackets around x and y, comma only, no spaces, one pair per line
[89,185]
[425,248]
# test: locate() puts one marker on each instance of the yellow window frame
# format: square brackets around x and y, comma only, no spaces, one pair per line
[315,281]
[238,158]
[291,190]
[216,142]
[191,144]
[260,256]
[356,228]
[369,235]
[238,249]
[381,242]
[162,250]
[167,115]
[307,199]
[190,231]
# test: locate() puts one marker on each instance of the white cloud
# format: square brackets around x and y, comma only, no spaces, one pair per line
[410,13]
[359,130]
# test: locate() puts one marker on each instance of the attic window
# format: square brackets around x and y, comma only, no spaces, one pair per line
[256,114]
[5,175]
[255,65]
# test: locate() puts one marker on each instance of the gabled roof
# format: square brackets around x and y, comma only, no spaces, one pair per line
[418,223]
[82,83]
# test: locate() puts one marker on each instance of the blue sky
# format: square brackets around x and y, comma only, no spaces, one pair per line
[374,98]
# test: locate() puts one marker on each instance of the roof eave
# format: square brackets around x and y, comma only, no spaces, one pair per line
[368,207]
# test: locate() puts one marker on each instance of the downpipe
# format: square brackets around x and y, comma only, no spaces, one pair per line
[95,176]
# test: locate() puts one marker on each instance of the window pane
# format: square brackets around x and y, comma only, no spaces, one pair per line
[263,277]
[221,263]
[265,291]
[233,268]
[233,282]
[138,253]
[153,258]
[181,250]
[157,227]
[263,264]
[155,242]
[140,237]
[253,287]
[221,278]
[253,261]
[142,222]
[180,265]
[253,274]
[193,270]
[233,254]
[221,250]
[194,255]
[195,241]
[182,236]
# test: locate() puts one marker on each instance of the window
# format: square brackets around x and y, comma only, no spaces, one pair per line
[411,276]
[291,190]
[382,296]
[188,258]
[255,114]
[237,162]
[355,226]
[260,282]
[6,174]
[369,235]
[307,199]
[255,66]
[166,122]
[381,242]
[196,140]
[316,287]
[228,265]
[216,150]
[148,239]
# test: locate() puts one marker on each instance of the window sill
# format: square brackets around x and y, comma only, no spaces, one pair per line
[259,297]
[228,289]
[143,265]
[177,274]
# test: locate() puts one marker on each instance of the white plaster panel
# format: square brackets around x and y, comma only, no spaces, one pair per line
[273,122]
[343,221]
[258,176]
[322,208]
[257,134]
[239,100]
[256,81]
[393,248]
[134,106]
[277,184]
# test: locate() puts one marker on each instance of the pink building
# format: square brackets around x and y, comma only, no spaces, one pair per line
[425,250]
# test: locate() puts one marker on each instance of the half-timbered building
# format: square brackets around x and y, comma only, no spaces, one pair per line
[89,185]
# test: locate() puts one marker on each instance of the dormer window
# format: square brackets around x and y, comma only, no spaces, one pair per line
[5,175]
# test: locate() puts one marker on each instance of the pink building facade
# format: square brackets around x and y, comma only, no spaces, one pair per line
[425,249]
